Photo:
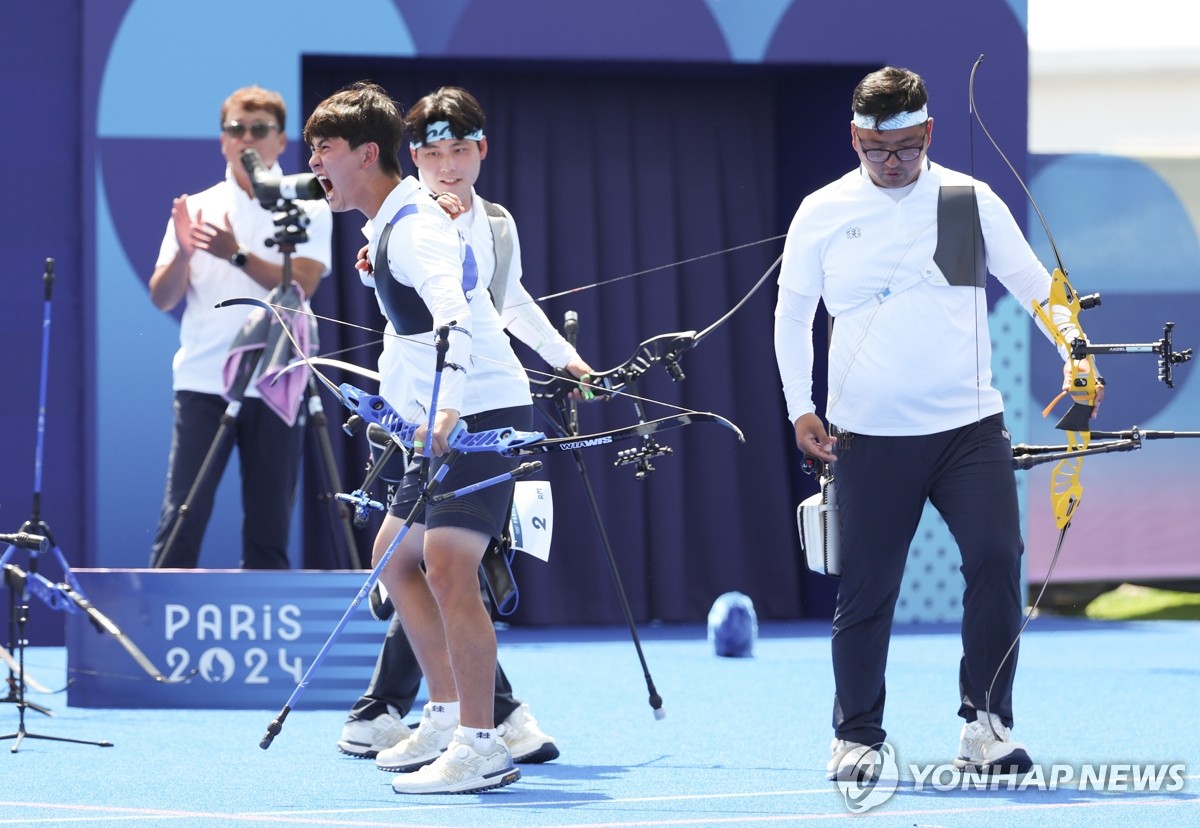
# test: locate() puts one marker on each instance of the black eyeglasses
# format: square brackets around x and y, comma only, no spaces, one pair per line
[880,156]
[258,129]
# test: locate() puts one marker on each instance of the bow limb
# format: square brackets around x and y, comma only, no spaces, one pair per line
[374,409]
[1003,157]
[630,432]
[1060,318]
[327,362]
[304,358]
[649,352]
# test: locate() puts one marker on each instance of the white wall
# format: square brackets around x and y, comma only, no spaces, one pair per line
[1114,77]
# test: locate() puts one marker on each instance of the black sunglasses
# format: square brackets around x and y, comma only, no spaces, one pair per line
[258,129]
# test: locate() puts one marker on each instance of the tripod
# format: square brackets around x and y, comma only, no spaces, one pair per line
[254,342]
[17,582]
[17,678]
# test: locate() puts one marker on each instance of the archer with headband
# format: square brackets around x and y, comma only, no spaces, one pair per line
[899,250]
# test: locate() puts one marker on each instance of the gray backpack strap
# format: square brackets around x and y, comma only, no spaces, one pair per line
[502,242]
[960,253]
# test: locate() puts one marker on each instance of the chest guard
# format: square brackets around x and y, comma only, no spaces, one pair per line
[405,308]
[960,250]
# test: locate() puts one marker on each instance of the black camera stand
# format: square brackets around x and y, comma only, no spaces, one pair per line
[291,221]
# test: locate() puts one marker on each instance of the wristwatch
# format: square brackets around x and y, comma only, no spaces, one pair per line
[240,257]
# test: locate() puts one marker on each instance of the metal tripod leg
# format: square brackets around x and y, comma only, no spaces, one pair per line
[332,480]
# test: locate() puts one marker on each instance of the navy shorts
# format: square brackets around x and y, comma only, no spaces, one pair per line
[486,510]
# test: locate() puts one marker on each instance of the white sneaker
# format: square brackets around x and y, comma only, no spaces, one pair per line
[364,738]
[423,745]
[989,749]
[851,761]
[461,769]
[525,740]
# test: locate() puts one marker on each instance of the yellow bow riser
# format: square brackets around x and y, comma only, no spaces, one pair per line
[1061,319]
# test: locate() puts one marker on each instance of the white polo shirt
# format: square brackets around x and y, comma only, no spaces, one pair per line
[206,331]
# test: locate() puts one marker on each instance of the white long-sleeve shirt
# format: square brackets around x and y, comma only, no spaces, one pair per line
[426,252]
[918,362]
[521,315]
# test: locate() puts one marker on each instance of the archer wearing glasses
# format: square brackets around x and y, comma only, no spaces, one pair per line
[881,156]
[899,249]
[892,160]
[215,248]
[258,129]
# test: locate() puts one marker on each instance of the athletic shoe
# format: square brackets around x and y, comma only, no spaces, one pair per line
[461,769]
[988,749]
[851,761]
[525,740]
[364,738]
[423,745]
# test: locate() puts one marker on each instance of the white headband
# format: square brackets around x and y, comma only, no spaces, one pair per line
[440,131]
[898,121]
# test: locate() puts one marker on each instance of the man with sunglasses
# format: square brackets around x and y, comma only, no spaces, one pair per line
[899,250]
[215,248]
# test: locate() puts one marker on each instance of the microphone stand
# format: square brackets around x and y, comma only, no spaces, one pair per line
[16,580]
[35,537]
[35,526]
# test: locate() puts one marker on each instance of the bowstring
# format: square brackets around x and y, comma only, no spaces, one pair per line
[534,371]
[655,269]
[973,116]
[546,374]
[346,350]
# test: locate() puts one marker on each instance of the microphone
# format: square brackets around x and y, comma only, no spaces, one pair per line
[269,189]
[571,327]
[24,540]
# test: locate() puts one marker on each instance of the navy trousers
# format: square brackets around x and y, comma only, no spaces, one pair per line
[883,484]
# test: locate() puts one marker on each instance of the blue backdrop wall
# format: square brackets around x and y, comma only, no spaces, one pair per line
[116,118]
